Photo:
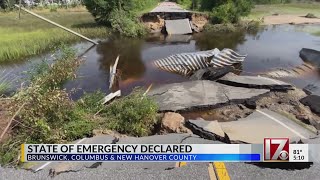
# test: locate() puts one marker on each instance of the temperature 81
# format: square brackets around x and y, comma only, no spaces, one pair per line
[297,151]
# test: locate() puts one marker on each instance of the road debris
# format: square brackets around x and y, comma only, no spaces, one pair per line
[187,63]
[200,94]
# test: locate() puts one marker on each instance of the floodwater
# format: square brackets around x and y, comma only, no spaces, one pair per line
[271,47]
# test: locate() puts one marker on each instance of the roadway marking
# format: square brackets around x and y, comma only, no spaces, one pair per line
[218,171]
[47,163]
[212,174]
[281,123]
[221,171]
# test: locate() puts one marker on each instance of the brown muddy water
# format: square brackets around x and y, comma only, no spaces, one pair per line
[269,48]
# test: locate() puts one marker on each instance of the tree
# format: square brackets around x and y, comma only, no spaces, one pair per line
[230,10]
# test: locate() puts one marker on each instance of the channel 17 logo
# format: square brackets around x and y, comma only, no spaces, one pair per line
[276,149]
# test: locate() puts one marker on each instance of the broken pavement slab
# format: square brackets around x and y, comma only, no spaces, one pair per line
[313,89]
[313,101]
[200,94]
[257,126]
[258,82]
[208,129]
[211,73]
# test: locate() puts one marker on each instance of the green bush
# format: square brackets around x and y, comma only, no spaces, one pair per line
[225,13]
[134,115]
[231,11]
[126,24]
[81,125]
[120,14]
[53,7]
[91,102]
[102,9]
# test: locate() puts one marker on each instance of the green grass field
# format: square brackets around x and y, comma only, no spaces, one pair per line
[293,8]
[20,38]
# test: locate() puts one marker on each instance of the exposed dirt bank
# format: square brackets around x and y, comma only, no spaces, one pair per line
[156,22]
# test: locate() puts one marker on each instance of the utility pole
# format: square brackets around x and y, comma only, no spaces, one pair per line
[19,9]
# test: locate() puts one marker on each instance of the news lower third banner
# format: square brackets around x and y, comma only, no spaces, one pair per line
[164,152]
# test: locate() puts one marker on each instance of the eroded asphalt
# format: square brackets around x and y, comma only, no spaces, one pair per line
[151,170]
[186,96]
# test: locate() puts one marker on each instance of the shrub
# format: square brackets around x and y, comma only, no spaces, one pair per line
[244,26]
[231,11]
[80,125]
[119,14]
[91,102]
[46,108]
[126,24]
[134,115]
[7,4]
[225,13]
[53,7]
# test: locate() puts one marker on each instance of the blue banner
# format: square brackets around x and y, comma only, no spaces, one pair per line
[146,157]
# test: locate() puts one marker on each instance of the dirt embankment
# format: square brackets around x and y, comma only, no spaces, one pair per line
[156,22]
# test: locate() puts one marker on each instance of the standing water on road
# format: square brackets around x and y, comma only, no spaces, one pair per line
[270,48]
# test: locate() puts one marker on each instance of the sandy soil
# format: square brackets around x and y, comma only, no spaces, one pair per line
[289,19]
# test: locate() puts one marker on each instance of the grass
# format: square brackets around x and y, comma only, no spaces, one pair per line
[4,86]
[30,36]
[5,82]
[147,7]
[292,8]
[133,115]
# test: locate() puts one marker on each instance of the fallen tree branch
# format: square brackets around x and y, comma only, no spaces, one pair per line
[10,122]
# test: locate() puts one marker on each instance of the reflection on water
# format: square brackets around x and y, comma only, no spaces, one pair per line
[269,48]
[130,64]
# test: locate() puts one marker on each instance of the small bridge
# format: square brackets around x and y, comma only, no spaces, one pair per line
[170,18]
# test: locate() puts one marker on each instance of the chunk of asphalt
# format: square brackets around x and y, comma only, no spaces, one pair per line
[257,82]
[264,123]
[200,94]
[311,56]
[211,73]
[211,126]
[251,103]
[207,130]
[313,101]
[312,89]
